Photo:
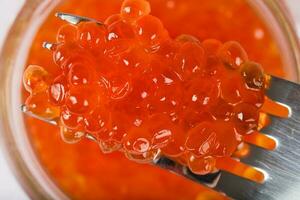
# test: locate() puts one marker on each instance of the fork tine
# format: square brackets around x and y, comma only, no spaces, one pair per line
[49,46]
[276,109]
[260,140]
[91,137]
[240,169]
[75,19]
[26,110]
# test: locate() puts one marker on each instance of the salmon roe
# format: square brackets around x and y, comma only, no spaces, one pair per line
[137,90]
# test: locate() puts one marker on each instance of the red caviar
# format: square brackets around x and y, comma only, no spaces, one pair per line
[150,89]
[112,176]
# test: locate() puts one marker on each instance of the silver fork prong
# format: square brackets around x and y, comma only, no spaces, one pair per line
[75,19]
[26,110]
[91,137]
[48,45]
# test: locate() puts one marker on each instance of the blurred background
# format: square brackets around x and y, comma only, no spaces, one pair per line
[9,188]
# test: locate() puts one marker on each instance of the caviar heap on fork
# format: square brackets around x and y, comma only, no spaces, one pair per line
[137,90]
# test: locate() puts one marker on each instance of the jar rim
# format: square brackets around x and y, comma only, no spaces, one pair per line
[10,50]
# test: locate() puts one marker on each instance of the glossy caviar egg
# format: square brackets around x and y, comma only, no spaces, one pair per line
[112,19]
[213,67]
[151,33]
[190,59]
[232,55]
[254,97]
[231,89]
[67,33]
[119,87]
[39,105]
[71,136]
[253,75]
[57,90]
[117,126]
[169,92]
[190,118]
[120,30]
[202,140]
[204,96]
[168,50]
[187,38]
[138,146]
[35,79]
[80,74]
[162,130]
[69,119]
[222,110]
[92,35]
[109,146]
[116,47]
[61,54]
[135,60]
[201,165]
[227,139]
[79,57]
[211,46]
[96,121]
[134,9]
[81,100]
[138,140]
[175,147]
[247,117]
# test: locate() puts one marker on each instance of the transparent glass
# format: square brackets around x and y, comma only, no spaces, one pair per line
[22,159]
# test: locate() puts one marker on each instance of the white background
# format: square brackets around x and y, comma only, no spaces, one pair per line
[9,188]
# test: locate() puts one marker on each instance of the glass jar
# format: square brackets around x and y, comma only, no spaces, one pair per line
[14,54]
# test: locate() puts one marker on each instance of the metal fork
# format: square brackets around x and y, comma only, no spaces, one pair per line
[281,167]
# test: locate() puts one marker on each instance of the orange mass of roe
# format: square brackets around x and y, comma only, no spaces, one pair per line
[138,88]
[151,82]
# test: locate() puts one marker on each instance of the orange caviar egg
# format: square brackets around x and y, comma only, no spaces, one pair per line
[253,75]
[69,119]
[232,54]
[91,35]
[39,105]
[57,90]
[67,33]
[35,79]
[150,33]
[71,136]
[133,9]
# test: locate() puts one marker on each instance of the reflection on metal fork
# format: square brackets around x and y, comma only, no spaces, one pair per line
[75,19]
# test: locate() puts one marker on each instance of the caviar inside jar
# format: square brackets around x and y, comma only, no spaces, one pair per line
[160,98]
